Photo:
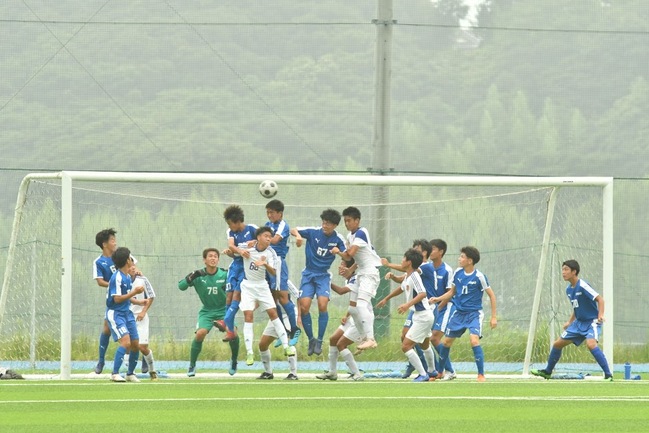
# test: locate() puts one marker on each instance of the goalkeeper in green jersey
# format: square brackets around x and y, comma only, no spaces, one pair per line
[209,283]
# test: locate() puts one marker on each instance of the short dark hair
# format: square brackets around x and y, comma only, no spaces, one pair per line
[209,250]
[121,256]
[572,264]
[440,244]
[330,215]
[103,236]
[263,229]
[472,253]
[275,205]
[353,212]
[349,263]
[414,257]
[424,245]
[233,213]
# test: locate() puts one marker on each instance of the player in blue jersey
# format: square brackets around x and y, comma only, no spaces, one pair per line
[422,315]
[429,279]
[467,289]
[359,247]
[120,318]
[444,310]
[316,279]
[279,283]
[102,269]
[238,235]
[585,322]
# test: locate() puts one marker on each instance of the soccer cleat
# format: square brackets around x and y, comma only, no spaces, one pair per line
[421,378]
[481,378]
[449,375]
[295,336]
[291,376]
[434,375]
[153,374]
[99,367]
[317,347]
[192,371]
[220,325]
[290,351]
[145,366]
[327,375]
[266,376]
[250,359]
[277,343]
[608,378]
[409,370]
[369,343]
[357,377]
[229,336]
[117,378]
[132,378]
[541,373]
[311,346]
[233,367]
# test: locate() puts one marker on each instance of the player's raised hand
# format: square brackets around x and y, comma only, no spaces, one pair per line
[261,261]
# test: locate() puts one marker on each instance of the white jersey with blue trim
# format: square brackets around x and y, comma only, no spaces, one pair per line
[412,286]
[141,280]
[366,258]
[256,273]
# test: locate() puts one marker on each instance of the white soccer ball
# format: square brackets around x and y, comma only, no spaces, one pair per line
[268,188]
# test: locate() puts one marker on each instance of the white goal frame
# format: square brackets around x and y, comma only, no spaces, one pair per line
[67,179]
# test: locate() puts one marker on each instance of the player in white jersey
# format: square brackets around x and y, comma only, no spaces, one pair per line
[140,305]
[255,290]
[359,247]
[422,318]
[347,333]
[267,337]
[429,278]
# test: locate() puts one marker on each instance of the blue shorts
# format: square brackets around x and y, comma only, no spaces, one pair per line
[235,275]
[283,278]
[408,322]
[315,284]
[122,323]
[581,330]
[443,317]
[462,320]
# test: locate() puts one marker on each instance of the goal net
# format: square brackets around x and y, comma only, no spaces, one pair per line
[51,309]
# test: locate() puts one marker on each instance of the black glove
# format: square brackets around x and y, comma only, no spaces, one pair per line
[193,275]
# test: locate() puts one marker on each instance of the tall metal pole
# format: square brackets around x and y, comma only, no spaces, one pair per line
[381,133]
[381,146]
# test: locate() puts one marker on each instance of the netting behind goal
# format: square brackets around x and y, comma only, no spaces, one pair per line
[167,225]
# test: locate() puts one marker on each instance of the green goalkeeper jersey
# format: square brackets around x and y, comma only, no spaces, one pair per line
[210,290]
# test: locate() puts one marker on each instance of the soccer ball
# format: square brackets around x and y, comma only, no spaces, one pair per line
[268,188]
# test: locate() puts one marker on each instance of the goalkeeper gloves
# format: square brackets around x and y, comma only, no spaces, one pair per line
[193,275]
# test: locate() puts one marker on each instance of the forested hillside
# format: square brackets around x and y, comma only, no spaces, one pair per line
[538,88]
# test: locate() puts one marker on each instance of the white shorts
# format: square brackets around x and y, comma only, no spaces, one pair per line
[253,293]
[270,330]
[349,330]
[143,329]
[422,322]
[367,285]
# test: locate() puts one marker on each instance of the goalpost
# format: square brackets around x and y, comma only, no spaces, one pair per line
[523,226]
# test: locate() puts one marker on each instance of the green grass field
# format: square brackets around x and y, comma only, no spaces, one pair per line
[377,405]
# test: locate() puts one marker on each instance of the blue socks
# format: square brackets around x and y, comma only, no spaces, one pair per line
[601,360]
[229,315]
[479,358]
[323,319]
[119,358]
[307,324]
[553,358]
[103,345]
